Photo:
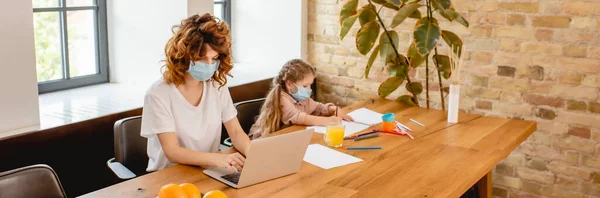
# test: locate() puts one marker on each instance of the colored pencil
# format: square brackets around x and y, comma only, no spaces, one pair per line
[416,122]
[403,126]
[359,138]
[363,148]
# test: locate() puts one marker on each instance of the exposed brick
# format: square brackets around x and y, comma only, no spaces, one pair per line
[594,107]
[579,119]
[551,7]
[583,23]
[499,192]
[576,92]
[521,194]
[591,161]
[596,177]
[575,143]
[482,104]
[479,81]
[576,105]
[510,83]
[537,164]
[568,182]
[515,19]
[541,48]
[536,72]
[581,8]
[594,51]
[506,71]
[515,158]
[543,177]
[510,45]
[482,93]
[591,81]
[511,96]
[571,78]
[532,187]
[497,18]
[482,57]
[551,21]
[489,6]
[532,7]
[583,132]
[507,181]
[575,36]
[513,109]
[505,169]
[591,188]
[544,34]
[482,31]
[513,32]
[547,114]
[535,99]
[575,51]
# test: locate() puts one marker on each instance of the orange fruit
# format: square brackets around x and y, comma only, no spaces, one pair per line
[215,194]
[172,191]
[191,190]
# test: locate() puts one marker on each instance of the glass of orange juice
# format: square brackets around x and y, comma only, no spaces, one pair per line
[334,134]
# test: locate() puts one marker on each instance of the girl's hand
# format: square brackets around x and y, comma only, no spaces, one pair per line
[334,119]
[346,117]
[234,162]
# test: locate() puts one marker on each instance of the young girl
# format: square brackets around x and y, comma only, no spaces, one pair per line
[289,102]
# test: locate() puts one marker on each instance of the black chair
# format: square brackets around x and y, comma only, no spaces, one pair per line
[31,182]
[130,158]
[247,113]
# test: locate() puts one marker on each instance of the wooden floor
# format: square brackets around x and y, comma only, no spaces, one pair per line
[443,161]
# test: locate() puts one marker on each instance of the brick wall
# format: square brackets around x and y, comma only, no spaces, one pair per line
[528,59]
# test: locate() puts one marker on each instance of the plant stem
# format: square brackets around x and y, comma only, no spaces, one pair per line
[437,65]
[395,50]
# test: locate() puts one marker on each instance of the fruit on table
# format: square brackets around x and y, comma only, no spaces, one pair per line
[191,190]
[215,194]
[172,191]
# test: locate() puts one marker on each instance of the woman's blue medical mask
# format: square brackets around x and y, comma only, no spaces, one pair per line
[203,71]
[302,94]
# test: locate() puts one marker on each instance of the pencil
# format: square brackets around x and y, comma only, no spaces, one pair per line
[416,122]
[363,148]
[359,138]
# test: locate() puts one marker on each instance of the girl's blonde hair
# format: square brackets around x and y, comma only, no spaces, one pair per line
[269,119]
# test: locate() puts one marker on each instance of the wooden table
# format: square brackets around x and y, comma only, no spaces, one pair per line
[444,160]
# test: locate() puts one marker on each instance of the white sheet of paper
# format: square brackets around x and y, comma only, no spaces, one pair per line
[366,116]
[351,128]
[327,158]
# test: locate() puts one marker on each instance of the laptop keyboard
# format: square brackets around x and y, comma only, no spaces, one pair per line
[233,177]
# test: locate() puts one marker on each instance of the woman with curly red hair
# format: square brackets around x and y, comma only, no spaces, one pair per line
[184,110]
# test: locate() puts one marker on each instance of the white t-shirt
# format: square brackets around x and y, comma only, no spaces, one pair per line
[197,127]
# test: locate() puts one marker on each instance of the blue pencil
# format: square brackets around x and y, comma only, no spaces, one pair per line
[363,148]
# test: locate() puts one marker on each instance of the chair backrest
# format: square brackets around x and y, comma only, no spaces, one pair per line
[31,182]
[130,146]
[247,112]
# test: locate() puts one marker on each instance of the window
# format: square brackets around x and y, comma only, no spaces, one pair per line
[70,43]
[223,10]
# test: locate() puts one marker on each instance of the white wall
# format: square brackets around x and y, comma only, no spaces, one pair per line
[137,33]
[18,84]
[268,32]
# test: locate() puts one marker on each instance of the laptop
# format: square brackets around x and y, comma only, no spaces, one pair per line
[267,159]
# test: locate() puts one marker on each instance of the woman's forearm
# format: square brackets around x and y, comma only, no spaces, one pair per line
[182,155]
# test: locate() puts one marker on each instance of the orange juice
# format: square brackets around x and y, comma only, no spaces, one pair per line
[334,135]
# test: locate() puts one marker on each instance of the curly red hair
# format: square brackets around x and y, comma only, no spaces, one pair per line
[188,42]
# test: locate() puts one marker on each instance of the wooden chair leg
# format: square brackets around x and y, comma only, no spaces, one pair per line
[484,185]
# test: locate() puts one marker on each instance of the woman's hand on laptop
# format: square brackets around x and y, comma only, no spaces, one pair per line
[233,162]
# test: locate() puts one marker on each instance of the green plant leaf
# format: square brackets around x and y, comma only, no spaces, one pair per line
[366,36]
[371,60]
[403,13]
[348,9]
[452,39]
[407,100]
[347,25]
[415,15]
[395,2]
[414,58]
[391,84]
[415,88]
[445,4]
[386,4]
[367,14]
[444,62]
[462,21]
[426,34]
[449,14]
[387,51]
[410,1]
[397,66]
